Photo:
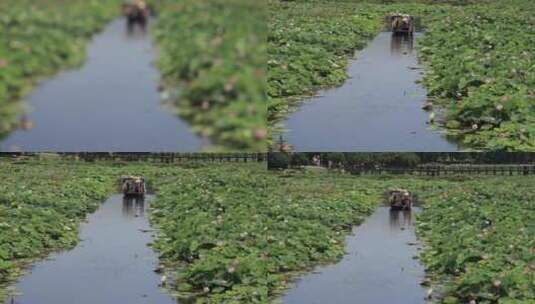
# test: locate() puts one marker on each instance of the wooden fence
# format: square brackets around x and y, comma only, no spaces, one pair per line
[147,157]
[445,170]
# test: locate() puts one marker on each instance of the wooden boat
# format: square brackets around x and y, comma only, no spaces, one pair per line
[133,185]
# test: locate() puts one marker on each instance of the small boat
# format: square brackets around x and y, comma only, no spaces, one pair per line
[399,199]
[136,12]
[402,24]
[133,185]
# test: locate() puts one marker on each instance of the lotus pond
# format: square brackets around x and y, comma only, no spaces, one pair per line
[211,55]
[236,233]
[38,38]
[484,100]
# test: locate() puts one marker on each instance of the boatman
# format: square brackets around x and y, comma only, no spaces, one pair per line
[140,4]
[406,200]
[136,11]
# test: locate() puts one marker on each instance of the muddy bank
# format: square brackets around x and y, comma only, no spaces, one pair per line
[378,268]
[111,103]
[379,108]
[112,263]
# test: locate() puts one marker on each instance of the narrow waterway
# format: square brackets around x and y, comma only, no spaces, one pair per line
[379,108]
[378,268]
[112,263]
[111,103]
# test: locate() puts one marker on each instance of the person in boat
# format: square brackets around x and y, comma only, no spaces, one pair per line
[402,22]
[136,11]
[126,187]
[140,4]
[138,186]
[406,200]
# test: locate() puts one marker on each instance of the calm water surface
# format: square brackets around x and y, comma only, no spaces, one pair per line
[109,104]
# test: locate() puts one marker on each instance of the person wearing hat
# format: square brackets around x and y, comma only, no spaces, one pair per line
[406,200]
[140,4]
[136,11]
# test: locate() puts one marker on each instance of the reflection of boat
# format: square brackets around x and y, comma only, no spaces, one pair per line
[406,218]
[401,44]
[133,206]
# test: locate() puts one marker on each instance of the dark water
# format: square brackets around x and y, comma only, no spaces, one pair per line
[378,268]
[112,264]
[377,109]
[110,104]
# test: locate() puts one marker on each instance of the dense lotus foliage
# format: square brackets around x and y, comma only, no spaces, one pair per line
[479,240]
[212,55]
[489,93]
[236,233]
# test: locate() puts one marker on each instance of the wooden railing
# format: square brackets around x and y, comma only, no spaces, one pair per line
[147,157]
[445,170]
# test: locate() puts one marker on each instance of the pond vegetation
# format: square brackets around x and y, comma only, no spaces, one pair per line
[38,39]
[211,55]
[236,233]
[484,99]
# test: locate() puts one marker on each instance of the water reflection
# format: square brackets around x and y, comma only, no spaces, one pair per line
[133,28]
[133,206]
[400,219]
[401,44]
